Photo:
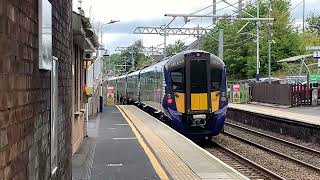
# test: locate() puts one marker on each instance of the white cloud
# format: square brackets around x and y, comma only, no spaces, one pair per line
[133,13]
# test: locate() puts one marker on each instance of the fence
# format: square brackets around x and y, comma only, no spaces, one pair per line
[301,95]
[244,92]
[280,94]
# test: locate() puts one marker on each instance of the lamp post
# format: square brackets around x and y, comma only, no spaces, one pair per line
[270,41]
[316,27]
[111,22]
[101,64]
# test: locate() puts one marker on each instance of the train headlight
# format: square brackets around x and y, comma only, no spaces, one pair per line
[223,96]
[199,116]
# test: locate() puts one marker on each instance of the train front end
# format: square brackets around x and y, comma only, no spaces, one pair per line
[196,98]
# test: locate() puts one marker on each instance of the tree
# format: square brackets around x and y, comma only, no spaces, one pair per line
[135,52]
[177,47]
[313,22]
[240,49]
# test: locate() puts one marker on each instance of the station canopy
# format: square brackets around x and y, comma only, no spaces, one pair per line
[296,58]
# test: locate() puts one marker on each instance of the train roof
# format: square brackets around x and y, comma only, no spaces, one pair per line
[214,60]
[135,73]
[154,66]
[112,78]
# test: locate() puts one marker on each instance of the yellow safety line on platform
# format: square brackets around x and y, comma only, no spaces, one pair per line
[156,165]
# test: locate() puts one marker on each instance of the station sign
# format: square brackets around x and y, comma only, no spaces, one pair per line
[316,54]
[236,93]
[110,95]
[313,48]
[314,77]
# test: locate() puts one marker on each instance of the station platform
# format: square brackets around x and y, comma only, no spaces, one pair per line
[131,144]
[308,115]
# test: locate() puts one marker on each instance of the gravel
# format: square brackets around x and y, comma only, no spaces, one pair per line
[238,164]
[275,163]
[288,138]
[292,151]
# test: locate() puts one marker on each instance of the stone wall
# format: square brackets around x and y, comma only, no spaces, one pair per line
[25,92]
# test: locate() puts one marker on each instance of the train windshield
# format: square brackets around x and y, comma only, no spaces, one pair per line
[177,77]
[216,76]
[198,76]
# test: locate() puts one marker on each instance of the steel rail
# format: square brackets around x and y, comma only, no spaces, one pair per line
[275,138]
[272,151]
[264,171]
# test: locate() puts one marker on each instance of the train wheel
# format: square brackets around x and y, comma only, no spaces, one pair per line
[208,138]
[124,101]
[165,120]
[161,118]
[156,115]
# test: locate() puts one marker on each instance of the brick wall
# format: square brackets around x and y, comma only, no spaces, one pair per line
[25,92]
[77,98]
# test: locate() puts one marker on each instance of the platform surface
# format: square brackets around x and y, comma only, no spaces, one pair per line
[180,157]
[310,115]
[118,155]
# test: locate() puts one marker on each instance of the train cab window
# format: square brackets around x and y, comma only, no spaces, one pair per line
[216,75]
[198,77]
[177,77]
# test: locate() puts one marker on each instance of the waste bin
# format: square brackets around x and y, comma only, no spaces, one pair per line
[314,97]
[101,104]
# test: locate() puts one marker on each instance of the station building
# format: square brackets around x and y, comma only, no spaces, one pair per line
[41,102]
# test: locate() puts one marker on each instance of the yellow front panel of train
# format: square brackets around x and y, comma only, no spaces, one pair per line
[180,97]
[215,100]
[199,101]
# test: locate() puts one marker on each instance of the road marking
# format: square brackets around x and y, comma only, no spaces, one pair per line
[114,165]
[156,165]
[124,138]
[121,124]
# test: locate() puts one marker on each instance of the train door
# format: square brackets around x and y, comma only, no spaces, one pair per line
[198,86]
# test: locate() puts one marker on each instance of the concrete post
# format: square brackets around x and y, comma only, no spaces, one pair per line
[221,43]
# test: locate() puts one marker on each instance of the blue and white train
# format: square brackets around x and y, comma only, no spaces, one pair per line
[187,91]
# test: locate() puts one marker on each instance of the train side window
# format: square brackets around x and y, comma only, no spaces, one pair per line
[177,77]
[216,75]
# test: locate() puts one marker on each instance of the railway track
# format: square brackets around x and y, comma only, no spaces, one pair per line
[245,166]
[304,156]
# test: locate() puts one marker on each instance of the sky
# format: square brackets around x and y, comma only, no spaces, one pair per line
[134,13]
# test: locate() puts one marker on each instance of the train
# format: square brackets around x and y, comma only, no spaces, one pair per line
[187,91]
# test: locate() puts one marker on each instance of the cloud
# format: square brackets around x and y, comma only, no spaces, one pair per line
[311,6]
[134,13]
